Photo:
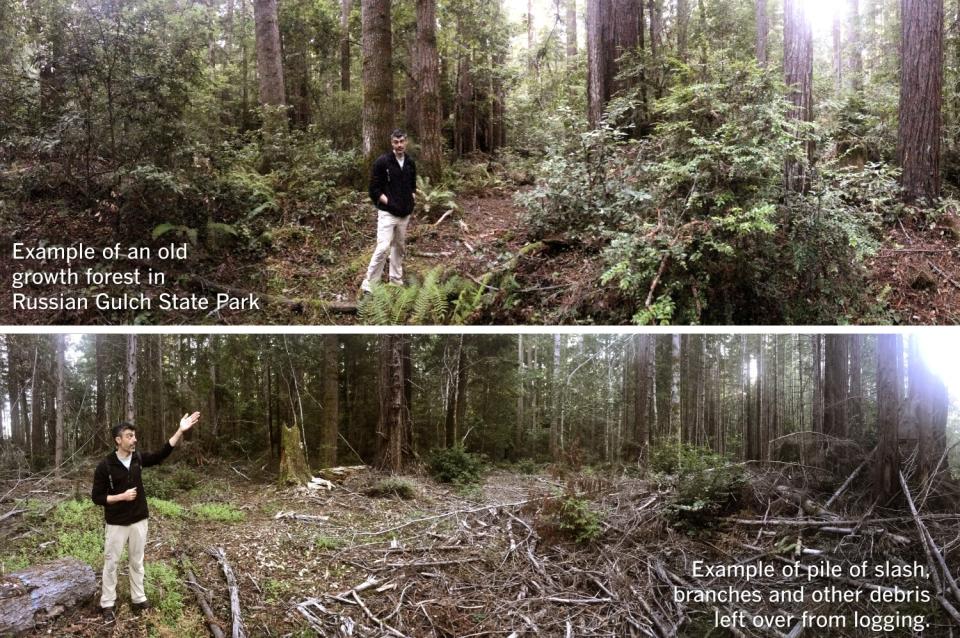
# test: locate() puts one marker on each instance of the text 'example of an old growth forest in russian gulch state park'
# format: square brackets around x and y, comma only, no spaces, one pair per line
[598,162]
[483,485]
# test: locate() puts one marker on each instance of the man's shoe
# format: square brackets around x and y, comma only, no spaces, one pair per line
[109,617]
[139,608]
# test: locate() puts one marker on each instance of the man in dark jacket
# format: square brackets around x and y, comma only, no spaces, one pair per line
[118,488]
[393,188]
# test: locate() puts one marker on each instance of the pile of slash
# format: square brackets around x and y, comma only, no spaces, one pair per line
[498,569]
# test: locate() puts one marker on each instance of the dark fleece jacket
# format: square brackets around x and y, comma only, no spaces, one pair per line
[111,477]
[398,184]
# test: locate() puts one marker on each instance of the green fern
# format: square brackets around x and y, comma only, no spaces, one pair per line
[426,302]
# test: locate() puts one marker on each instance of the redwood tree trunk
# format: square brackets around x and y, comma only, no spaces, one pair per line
[427,72]
[269,64]
[378,115]
[921,83]
[330,418]
[394,429]
[571,24]
[835,386]
[887,458]
[763,30]
[798,72]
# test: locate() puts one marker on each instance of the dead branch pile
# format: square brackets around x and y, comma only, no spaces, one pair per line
[497,569]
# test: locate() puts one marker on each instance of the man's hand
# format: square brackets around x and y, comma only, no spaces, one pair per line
[188,421]
[384,200]
[129,495]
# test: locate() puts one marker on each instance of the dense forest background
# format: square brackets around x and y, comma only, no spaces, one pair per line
[718,161]
[390,400]
[553,484]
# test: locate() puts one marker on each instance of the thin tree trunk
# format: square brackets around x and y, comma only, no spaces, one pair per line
[129,411]
[345,8]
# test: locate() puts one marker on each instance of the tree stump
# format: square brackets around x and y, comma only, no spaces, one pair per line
[293,462]
[49,589]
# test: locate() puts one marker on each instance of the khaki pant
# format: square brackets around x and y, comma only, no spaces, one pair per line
[135,538]
[391,237]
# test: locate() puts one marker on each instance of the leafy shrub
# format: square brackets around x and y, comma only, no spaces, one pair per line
[167,509]
[528,467]
[695,220]
[77,513]
[570,518]
[157,484]
[221,512]
[185,478]
[390,488]
[704,483]
[455,465]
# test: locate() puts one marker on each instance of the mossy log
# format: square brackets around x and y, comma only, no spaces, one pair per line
[46,590]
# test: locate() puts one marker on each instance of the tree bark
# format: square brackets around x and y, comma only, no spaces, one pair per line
[763,31]
[50,588]
[835,386]
[427,74]
[571,28]
[854,47]
[378,109]
[61,399]
[269,65]
[921,84]
[345,7]
[887,458]
[129,411]
[394,428]
[330,418]
[798,72]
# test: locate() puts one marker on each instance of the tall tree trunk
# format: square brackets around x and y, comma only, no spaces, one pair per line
[555,382]
[816,422]
[798,72]
[61,398]
[921,83]
[378,115]
[887,458]
[129,406]
[427,71]
[837,54]
[835,386]
[854,46]
[763,32]
[269,66]
[856,389]
[394,428]
[14,391]
[683,21]
[330,417]
[600,56]
[571,24]
[345,8]
[101,409]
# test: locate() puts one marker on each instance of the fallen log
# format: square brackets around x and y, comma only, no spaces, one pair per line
[215,630]
[341,472]
[47,589]
[238,631]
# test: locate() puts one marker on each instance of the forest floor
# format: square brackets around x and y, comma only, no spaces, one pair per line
[499,559]
[309,271]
